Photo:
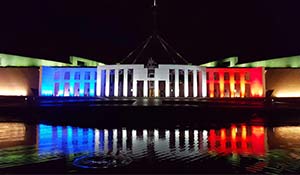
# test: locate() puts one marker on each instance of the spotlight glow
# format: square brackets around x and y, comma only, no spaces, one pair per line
[12,92]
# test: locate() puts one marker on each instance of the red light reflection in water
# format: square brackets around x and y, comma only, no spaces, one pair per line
[240,139]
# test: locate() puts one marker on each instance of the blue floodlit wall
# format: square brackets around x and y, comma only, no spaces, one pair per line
[64,81]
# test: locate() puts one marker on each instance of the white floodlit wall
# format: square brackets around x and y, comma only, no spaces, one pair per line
[124,79]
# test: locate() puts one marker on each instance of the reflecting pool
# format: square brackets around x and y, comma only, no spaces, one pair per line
[234,148]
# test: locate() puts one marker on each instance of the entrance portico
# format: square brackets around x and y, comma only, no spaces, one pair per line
[136,80]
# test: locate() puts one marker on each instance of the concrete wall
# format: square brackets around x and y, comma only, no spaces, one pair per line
[19,81]
[284,82]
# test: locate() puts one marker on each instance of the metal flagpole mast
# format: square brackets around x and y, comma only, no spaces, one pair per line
[155,35]
[154,12]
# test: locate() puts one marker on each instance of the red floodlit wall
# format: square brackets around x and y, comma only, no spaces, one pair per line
[235,82]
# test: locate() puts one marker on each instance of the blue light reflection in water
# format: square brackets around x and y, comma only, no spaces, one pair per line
[65,140]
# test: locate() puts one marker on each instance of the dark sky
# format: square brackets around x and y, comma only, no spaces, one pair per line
[107,30]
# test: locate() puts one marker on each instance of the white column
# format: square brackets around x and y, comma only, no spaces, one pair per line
[167,90]
[98,91]
[107,82]
[134,82]
[156,89]
[145,88]
[176,82]
[186,83]
[116,83]
[125,82]
[195,94]
[204,84]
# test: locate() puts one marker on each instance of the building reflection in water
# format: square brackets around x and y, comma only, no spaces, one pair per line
[22,144]
[161,144]
[284,137]
[176,143]
[238,139]
[15,134]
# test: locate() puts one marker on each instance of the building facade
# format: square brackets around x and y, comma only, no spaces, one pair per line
[284,82]
[68,81]
[165,80]
[19,81]
[235,82]
[25,78]
[124,81]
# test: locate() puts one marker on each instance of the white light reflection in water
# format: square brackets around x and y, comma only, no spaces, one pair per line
[124,139]
[155,135]
[177,139]
[196,140]
[186,139]
[105,140]
[97,140]
[145,135]
[205,139]
[167,134]
[115,140]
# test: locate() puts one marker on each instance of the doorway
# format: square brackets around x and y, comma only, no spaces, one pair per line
[67,89]
[56,89]
[150,88]
[86,89]
[162,87]
[140,88]
[76,89]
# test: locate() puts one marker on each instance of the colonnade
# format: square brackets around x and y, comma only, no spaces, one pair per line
[139,74]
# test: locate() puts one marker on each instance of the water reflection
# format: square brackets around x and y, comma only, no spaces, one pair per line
[240,139]
[270,147]
[284,137]
[161,144]
[14,134]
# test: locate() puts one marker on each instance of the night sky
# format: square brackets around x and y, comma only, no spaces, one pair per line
[107,30]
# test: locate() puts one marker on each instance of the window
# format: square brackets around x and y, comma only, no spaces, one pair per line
[56,76]
[226,76]
[87,76]
[77,76]
[171,75]
[236,76]
[207,75]
[151,73]
[247,76]
[216,75]
[96,76]
[67,76]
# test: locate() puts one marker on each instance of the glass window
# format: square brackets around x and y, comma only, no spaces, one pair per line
[236,76]
[216,75]
[77,76]
[67,76]
[247,76]
[56,76]
[87,76]
[151,73]
[226,76]
[207,75]
[95,76]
